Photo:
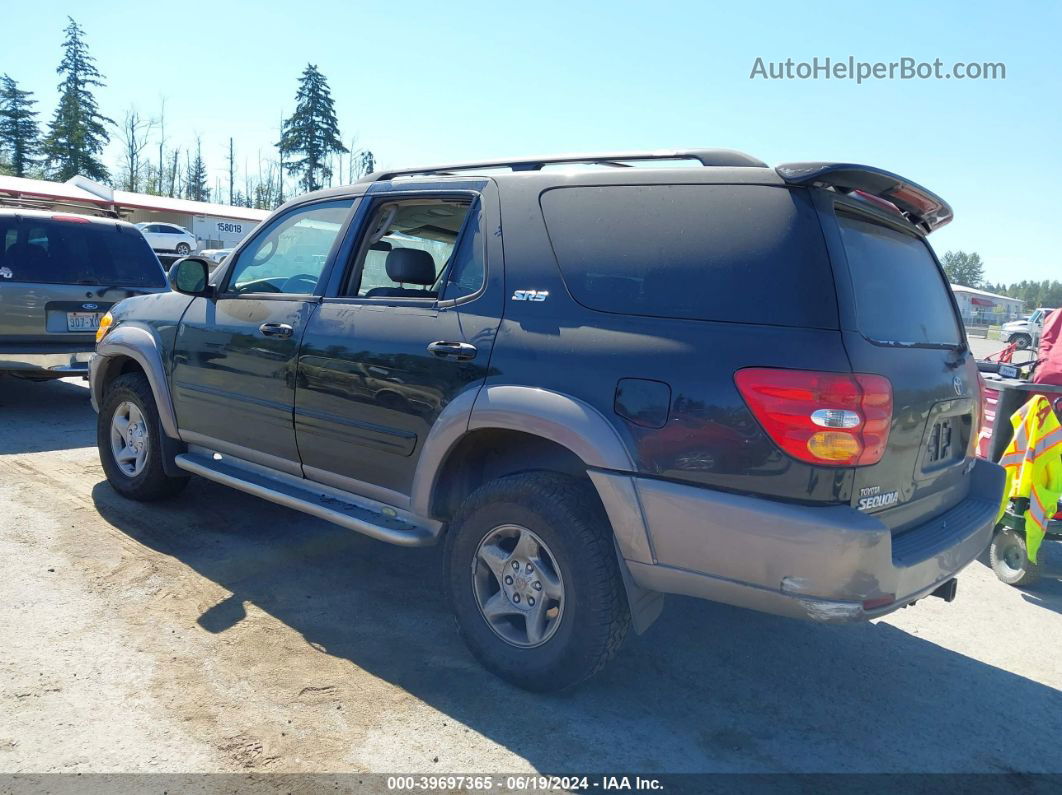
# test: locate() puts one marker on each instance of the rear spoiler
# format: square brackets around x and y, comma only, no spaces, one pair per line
[920,206]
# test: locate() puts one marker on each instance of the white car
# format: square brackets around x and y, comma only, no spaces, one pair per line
[1026,333]
[167,238]
[216,255]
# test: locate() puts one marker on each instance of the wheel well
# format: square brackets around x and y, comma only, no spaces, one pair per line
[119,365]
[485,455]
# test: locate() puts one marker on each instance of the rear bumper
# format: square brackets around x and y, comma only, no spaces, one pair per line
[832,564]
[46,363]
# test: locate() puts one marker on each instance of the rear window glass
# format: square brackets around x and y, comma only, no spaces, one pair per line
[900,294]
[736,253]
[63,252]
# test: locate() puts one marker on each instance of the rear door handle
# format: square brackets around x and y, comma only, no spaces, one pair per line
[276,329]
[461,351]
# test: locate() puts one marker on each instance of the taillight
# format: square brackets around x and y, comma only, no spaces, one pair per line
[831,419]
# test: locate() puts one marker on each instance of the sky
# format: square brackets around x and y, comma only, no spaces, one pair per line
[428,82]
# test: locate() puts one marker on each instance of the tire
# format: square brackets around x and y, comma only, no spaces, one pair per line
[576,550]
[148,480]
[183,249]
[1009,559]
[1023,341]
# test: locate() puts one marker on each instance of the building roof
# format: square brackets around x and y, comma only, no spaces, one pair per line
[960,288]
[84,192]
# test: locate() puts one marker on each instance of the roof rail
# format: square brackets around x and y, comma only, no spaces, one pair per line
[706,157]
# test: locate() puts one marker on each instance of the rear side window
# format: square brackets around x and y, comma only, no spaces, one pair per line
[45,251]
[735,253]
[900,294]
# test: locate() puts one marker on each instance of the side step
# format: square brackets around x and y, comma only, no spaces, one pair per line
[309,497]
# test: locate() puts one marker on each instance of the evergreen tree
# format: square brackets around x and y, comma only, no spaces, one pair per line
[312,131]
[77,135]
[196,187]
[19,134]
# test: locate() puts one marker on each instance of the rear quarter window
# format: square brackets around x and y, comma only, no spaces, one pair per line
[900,294]
[734,253]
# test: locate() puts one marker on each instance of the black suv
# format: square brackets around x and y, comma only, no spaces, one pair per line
[597,381]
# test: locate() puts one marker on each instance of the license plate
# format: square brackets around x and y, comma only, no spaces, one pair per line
[83,321]
[1008,371]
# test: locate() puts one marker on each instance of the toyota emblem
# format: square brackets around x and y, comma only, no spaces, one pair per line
[957,383]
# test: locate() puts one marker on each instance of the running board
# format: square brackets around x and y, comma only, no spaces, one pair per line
[308,497]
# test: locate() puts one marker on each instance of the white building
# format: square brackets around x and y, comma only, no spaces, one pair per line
[981,307]
[214,225]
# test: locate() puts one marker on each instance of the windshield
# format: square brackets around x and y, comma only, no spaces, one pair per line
[900,293]
[49,251]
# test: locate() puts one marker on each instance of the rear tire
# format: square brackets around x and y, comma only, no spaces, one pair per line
[143,479]
[1023,341]
[1009,558]
[575,576]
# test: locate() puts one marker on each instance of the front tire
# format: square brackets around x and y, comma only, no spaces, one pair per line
[534,582]
[1009,558]
[129,438]
[183,249]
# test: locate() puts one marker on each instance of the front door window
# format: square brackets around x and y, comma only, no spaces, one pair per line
[289,257]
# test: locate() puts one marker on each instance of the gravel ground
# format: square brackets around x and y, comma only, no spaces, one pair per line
[221,633]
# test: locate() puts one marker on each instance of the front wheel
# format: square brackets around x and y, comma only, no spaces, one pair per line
[184,249]
[1023,341]
[1010,559]
[534,582]
[129,438]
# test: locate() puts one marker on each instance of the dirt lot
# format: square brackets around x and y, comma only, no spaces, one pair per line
[221,633]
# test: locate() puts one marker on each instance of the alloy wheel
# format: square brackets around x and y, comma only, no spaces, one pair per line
[517,586]
[129,438]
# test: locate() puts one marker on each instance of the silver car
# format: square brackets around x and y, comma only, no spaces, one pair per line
[59,274]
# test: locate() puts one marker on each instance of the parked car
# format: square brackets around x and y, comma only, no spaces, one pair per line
[1026,332]
[168,238]
[59,274]
[216,255]
[559,375]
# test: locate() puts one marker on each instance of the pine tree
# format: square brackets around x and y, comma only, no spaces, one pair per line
[311,131]
[77,135]
[19,134]
[196,187]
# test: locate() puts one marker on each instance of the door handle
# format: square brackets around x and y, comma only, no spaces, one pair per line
[276,329]
[461,351]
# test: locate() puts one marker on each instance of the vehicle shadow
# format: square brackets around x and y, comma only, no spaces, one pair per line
[37,416]
[1047,593]
[708,688]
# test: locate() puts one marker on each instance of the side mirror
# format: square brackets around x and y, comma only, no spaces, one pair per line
[189,276]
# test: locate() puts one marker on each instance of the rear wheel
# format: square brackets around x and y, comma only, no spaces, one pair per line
[533,580]
[129,438]
[1010,559]
[1023,341]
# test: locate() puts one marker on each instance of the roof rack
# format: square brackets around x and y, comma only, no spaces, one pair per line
[706,157]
